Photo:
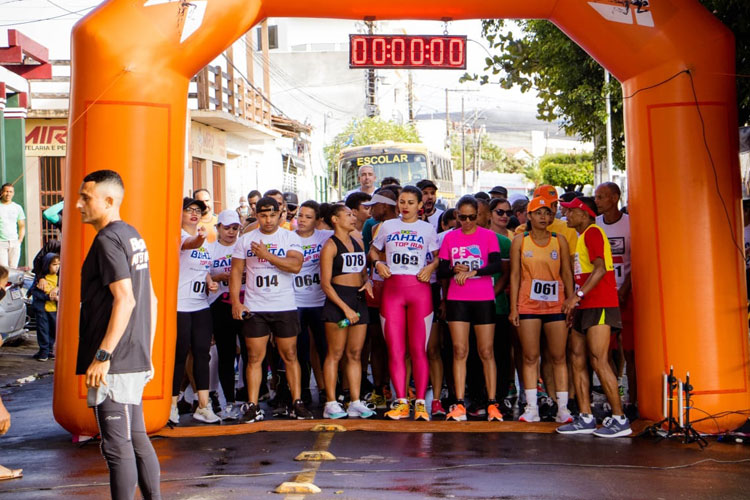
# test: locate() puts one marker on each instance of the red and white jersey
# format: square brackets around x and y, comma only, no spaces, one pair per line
[618,235]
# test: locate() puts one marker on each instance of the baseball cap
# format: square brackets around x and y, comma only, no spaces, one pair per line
[187,201]
[584,203]
[499,190]
[229,217]
[547,191]
[290,198]
[426,183]
[379,198]
[537,203]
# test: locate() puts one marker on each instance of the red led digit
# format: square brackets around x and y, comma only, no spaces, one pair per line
[378,51]
[456,52]
[398,51]
[417,51]
[437,51]
[359,51]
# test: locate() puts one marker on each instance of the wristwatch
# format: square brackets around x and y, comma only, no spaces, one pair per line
[579,293]
[102,355]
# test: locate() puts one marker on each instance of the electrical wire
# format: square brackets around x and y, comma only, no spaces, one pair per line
[713,166]
[32,21]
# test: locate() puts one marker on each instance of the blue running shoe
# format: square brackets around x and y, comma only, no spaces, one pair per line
[578,426]
[614,427]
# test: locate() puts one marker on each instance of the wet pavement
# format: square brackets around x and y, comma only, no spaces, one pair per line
[369,465]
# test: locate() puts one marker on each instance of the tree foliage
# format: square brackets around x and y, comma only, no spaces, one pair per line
[493,157]
[363,131]
[570,84]
[570,172]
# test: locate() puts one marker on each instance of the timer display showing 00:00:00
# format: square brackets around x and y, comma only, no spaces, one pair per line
[383,51]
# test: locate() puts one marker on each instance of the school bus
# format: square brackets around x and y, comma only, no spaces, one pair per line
[407,162]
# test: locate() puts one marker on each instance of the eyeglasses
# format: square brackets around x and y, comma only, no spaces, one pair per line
[194,210]
[504,212]
[464,218]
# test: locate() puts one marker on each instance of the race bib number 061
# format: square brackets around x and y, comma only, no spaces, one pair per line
[544,291]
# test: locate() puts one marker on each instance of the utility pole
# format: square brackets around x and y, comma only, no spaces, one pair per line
[371,105]
[447,123]
[606,173]
[411,97]
[463,148]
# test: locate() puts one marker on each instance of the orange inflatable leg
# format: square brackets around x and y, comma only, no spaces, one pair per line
[131,65]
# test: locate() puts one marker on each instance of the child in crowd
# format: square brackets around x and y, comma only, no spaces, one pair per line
[45,296]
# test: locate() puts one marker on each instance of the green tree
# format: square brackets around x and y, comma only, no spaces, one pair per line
[570,172]
[493,157]
[363,131]
[569,82]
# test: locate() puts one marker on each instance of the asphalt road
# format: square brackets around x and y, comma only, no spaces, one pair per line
[376,464]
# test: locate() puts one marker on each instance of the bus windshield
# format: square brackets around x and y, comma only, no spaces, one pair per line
[408,168]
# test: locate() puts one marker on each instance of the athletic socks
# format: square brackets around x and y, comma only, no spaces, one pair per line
[562,399]
[587,417]
[530,396]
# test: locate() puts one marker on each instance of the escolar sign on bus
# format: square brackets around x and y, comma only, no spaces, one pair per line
[384,159]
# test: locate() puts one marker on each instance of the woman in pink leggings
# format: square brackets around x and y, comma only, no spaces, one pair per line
[399,252]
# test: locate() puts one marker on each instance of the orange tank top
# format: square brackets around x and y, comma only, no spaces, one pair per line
[542,290]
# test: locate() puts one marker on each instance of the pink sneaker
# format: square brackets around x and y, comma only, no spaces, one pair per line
[437,408]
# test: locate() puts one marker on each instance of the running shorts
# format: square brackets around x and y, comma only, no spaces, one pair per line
[282,325]
[546,318]
[586,318]
[351,297]
[476,312]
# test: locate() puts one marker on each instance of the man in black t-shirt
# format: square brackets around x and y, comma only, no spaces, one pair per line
[116,334]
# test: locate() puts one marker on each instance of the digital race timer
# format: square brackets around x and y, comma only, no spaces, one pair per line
[406,51]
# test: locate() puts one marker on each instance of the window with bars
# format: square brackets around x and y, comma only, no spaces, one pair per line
[51,180]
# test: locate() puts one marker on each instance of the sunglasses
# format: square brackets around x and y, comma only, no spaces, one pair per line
[504,212]
[194,210]
[464,218]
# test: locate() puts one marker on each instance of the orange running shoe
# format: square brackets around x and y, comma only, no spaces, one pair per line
[493,413]
[400,410]
[420,411]
[457,413]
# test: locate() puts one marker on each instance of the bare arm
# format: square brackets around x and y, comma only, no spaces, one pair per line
[292,263]
[515,278]
[21,229]
[566,270]
[195,241]
[123,304]
[235,284]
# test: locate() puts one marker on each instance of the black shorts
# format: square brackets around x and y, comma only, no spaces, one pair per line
[546,318]
[282,325]
[586,318]
[351,297]
[436,289]
[476,312]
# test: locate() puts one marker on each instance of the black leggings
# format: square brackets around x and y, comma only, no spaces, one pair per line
[310,320]
[193,335]
[130,457]
[226,332]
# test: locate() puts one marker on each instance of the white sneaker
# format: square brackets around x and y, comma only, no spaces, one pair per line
[174,415]
[206,415]
[563,415]
[333,409]
[230,412]
[531,414]
[359,409]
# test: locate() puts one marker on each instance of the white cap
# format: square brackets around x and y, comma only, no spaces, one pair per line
[379,198]
[229,217]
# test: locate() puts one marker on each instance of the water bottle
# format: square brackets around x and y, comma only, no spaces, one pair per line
[345,322]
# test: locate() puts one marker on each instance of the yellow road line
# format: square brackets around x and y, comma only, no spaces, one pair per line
[303,483]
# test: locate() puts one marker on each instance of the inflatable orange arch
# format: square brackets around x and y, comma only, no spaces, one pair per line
[130,73]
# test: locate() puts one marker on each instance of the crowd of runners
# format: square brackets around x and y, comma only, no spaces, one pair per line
[498,306]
